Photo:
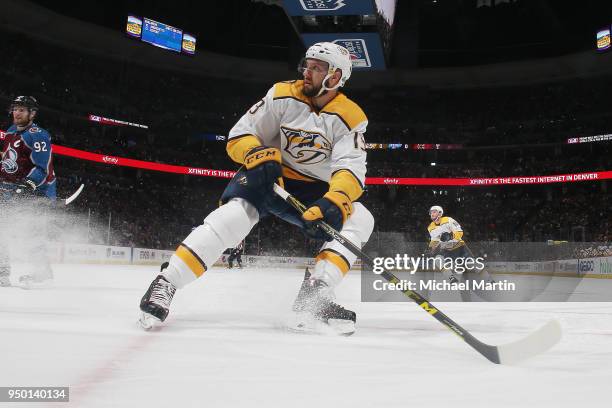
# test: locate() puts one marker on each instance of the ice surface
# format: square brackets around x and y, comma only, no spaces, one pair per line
[224,345]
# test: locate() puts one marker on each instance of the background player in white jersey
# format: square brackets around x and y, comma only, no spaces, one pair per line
[446,239]
[309,136]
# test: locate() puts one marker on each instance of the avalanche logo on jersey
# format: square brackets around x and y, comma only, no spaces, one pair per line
[9,161]
[306,147]
[322,5]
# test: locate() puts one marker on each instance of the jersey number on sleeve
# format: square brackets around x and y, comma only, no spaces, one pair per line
[256,107]
[360,141]
[40,147]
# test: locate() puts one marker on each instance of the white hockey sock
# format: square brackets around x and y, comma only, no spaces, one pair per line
[328,273]
[223,228]
[334,260]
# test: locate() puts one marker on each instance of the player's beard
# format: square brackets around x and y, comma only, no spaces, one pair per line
[313,91]
[23,122]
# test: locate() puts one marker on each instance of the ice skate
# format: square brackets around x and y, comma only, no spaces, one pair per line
[5,281]
[5,275]
[155,303]
[315,310]
[42,279]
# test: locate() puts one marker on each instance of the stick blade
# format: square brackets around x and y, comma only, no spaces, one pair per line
[75,195]
[536,343]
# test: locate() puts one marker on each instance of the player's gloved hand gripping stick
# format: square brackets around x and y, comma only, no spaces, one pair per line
[263,166]
[333,208]
[535,343]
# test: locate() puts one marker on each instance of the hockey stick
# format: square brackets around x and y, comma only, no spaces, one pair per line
[19,188]
[535,343]
[74,195]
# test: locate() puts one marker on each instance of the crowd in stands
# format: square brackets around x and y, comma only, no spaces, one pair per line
[594,251]
[138,208]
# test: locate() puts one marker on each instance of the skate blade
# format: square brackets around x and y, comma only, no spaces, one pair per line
[342,327]
[148,322]
[307,324]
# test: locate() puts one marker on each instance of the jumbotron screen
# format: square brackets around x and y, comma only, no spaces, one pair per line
[134,27]
[160,35]
[603,39]
[189,44]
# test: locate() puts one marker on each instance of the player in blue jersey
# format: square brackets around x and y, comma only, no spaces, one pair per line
[26,179]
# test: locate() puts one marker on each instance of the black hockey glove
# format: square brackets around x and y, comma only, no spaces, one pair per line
[263,166]
[334,208]
[27,189]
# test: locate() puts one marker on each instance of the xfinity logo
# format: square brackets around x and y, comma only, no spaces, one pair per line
[322,5]
[110,159]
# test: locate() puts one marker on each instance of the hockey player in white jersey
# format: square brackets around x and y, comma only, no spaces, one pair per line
[446,240]
[306,135]
[445,233]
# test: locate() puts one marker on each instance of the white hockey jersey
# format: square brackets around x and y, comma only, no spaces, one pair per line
[446,224]
[314,145]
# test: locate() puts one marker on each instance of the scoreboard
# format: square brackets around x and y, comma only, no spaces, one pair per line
[160,35]
[134,27]
[603,39]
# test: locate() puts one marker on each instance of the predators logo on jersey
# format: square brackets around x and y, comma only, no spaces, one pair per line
[306,147]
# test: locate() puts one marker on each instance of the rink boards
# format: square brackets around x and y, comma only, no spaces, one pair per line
[600,267]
